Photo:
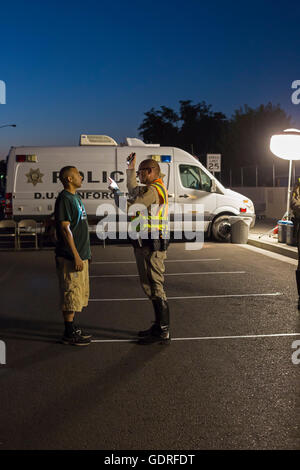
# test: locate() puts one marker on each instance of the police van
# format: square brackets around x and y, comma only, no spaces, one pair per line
[33,180]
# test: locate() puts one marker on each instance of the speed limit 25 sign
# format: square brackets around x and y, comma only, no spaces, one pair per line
[213,161]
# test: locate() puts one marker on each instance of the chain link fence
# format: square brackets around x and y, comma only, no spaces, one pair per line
[275,175]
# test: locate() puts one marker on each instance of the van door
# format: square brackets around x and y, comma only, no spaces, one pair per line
[194,187]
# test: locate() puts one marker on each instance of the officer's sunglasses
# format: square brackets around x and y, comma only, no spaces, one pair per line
[144,169]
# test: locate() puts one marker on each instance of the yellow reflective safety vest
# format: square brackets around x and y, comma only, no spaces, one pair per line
[157,221]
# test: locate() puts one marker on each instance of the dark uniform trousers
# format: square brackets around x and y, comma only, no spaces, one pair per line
[151,268]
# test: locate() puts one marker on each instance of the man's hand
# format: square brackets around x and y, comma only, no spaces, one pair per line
[78,263]
[132,159]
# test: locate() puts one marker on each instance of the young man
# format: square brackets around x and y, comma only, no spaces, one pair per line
[72,254]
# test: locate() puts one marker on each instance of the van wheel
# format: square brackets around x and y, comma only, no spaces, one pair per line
[221,229]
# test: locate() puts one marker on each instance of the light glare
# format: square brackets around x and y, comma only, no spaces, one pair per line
[286,146]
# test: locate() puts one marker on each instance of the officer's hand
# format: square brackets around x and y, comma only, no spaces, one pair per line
[131,159]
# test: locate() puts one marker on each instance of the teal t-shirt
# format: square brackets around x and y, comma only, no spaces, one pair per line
[69,207]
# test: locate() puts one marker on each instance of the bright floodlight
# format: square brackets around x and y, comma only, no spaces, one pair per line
[286,145]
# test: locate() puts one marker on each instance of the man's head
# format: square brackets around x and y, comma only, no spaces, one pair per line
[149,171]
[70,177]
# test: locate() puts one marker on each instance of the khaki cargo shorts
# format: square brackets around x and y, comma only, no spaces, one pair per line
[74,285]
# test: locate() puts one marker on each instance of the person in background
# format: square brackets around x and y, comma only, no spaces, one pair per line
[295,207]
[73,253]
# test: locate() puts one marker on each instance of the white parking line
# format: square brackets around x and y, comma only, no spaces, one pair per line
[172,274]
[201,338]
[190,297]
[166,261]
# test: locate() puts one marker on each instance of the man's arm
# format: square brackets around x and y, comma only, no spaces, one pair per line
[68,237]
[131,180]
[133,188]
[145,195]
[137,194]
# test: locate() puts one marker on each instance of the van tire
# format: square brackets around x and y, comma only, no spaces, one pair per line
[221,229]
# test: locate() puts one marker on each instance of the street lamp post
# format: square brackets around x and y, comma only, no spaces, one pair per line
[287,146]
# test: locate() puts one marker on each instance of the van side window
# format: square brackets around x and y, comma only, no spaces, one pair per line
[190,176]
[205,181]
[193,177]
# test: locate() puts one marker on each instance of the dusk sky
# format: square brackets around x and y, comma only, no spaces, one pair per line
[73,67]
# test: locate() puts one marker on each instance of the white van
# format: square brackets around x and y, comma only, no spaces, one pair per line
[32,180]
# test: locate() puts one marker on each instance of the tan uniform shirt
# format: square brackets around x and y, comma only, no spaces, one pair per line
[146,195]
[150,264]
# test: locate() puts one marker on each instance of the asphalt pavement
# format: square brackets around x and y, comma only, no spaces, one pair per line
[226,381]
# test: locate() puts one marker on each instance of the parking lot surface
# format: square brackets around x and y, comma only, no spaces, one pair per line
[226,381]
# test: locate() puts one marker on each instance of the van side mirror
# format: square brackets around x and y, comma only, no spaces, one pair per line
[213,188]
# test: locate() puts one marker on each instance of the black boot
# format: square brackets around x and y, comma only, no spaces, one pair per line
[155,326]
[164,314]
[160,331]
[298,286]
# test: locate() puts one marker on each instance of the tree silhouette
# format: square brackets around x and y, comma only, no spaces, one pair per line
[243,140]
[160,127]
[195,128]
[201,128]
[247,141]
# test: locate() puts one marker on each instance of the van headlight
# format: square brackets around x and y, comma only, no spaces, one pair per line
[249,204]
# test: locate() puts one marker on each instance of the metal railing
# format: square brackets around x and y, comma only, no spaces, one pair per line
[255,176]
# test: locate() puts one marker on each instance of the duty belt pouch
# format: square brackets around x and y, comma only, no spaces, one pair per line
[164,243]
[137,243]
[157,244]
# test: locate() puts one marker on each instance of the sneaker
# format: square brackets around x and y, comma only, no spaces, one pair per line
[75,340]
[82,333]
[161,337]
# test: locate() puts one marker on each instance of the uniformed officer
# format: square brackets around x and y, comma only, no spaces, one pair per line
[295,207]
[150,248]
